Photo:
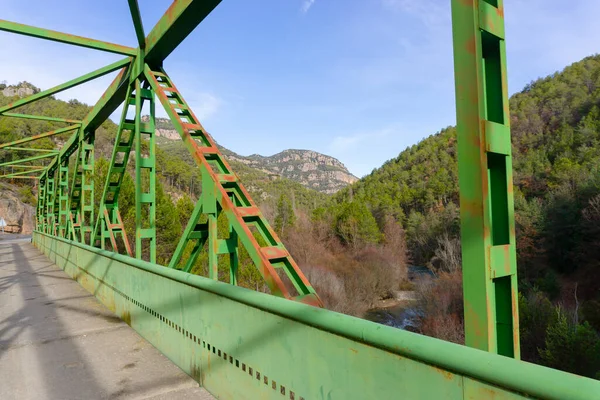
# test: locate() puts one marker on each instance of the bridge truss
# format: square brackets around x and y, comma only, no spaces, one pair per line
[243,344]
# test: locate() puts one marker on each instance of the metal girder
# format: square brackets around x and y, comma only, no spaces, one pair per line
[47,34]
[241,344]
[40,136]
[67,85]
[106,105]
[24,160]
[145,171]
[41,118]
[109,101]
[22,173]
[27,166]
[137,22]
[485,177]
[175,25]
[31,149]
[223,192]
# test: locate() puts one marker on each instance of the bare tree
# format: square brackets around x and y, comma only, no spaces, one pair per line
[447,255]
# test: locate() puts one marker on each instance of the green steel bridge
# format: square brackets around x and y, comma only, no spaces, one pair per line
[241,344]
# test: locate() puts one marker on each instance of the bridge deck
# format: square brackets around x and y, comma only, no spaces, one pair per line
[58,342]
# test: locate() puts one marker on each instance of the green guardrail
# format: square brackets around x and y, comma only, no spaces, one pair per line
[241,344]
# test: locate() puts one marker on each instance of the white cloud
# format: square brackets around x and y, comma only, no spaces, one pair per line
[47,64]
[205,105]
[432,13]
[306,5]
[348,143]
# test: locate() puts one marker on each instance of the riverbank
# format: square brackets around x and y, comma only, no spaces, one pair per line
[399,311]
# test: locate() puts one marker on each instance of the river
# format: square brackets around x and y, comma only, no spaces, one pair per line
[404,314]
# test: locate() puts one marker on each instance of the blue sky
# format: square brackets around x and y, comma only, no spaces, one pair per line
[356,79]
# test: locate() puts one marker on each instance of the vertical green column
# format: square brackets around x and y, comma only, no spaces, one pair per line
[63,197]
[233,256]
[41,203]
[485,177]
[210,208]
[50,193]
[145,170]
[86,202]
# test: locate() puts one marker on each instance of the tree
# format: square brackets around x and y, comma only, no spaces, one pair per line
[572,347]
[356,226]
[168,226]
[285,216]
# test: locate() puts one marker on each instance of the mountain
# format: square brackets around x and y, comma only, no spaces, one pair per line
[555,124]
[175,166]
[313,170]
[17,208]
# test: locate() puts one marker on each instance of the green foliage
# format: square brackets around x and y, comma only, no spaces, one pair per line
[572,347]
[185,207]
[168,226]
[285,217]
[536,313]
[355,225]
[591,313]
[26,196]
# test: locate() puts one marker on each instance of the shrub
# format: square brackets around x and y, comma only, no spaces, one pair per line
[440,301]
[572,348]
[536,313]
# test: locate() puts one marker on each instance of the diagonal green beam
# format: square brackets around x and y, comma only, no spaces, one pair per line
[106,105]
[47,34]
[41,118]
[40,136]
[23,173]
[109,101]
[137,22]
[67,85]
[25,177]
[30,149]
[27,166]
[24,160]
[174,26]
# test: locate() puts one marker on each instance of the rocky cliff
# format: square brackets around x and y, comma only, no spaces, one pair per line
[19,216]
[313,170]
[21,89]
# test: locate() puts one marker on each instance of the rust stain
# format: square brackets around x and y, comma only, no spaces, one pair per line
[126,316]
[500,11]
[446,374]
[487,393]
[471,46]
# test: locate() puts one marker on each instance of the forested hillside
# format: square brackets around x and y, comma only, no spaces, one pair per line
[355,245]
[555,125]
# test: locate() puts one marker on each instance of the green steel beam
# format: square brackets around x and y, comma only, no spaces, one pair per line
[108,224]
[24,160]
[41,118]
[31,149]
[40,136]
[175,25]
[25,177]
[485,177]
[22,173]
[67,85]
[47,34]
[106,105]
[242,344]
[145,173]
[222,190]
[109,101]
[27,166]
[137,22]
